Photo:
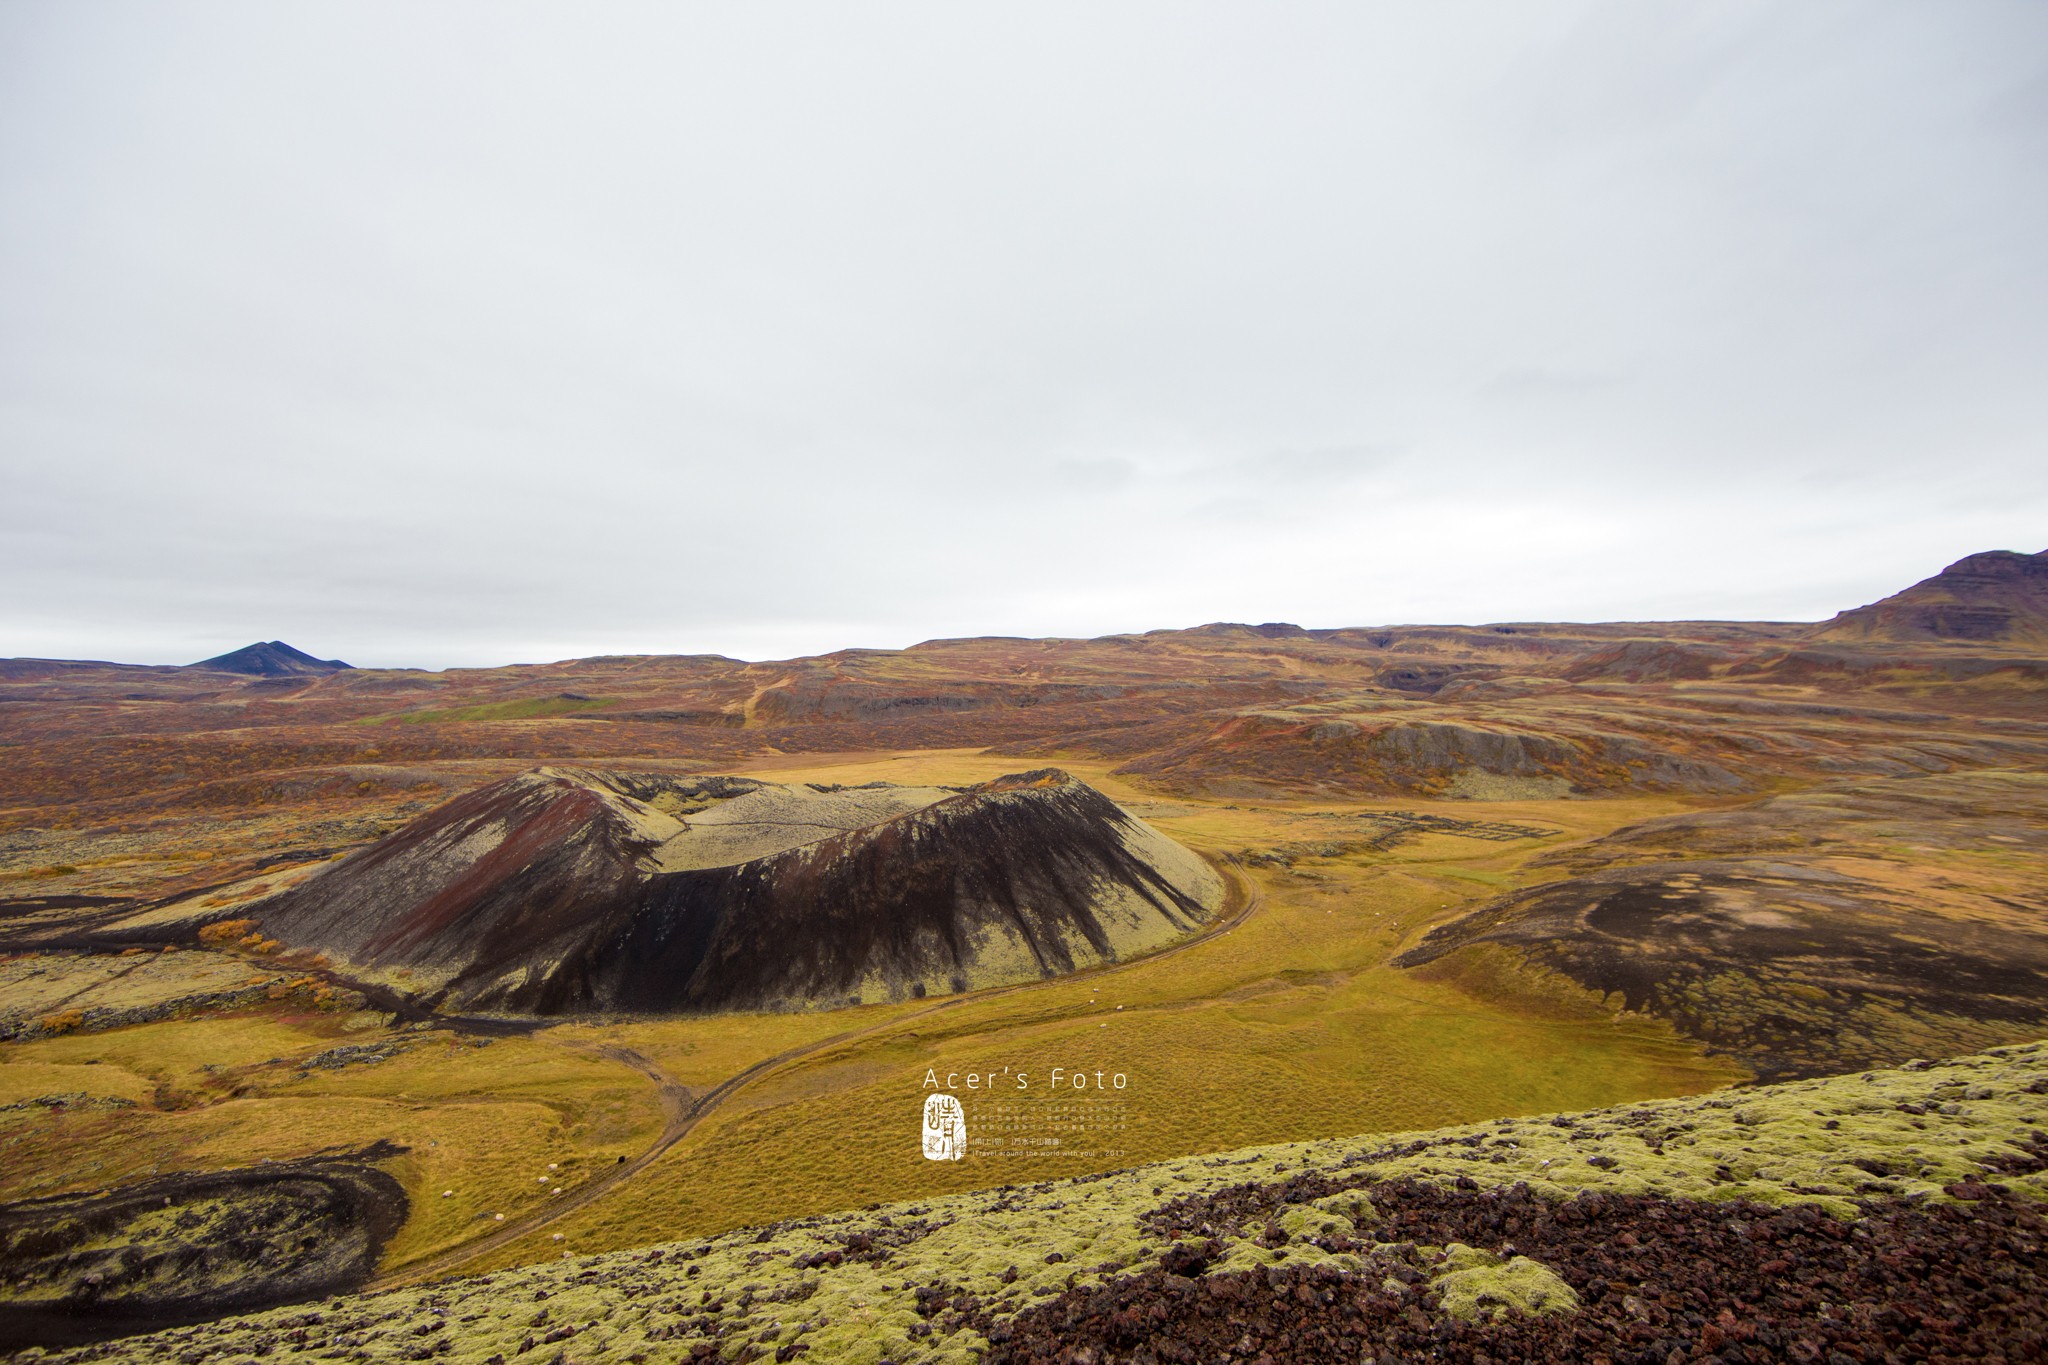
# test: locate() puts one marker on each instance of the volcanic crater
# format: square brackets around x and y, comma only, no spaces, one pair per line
[567,890]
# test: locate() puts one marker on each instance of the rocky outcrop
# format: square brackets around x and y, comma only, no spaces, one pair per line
[566,890]
[1794,970]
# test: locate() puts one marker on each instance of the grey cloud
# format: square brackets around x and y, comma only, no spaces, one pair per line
[1537,382]
[1334,464]
[457,334]
[1095,476]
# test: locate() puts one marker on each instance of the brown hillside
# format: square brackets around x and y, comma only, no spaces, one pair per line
[126,780]
[1998,597]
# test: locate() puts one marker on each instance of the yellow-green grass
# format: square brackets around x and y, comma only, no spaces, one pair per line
[1473,874]
[180,1058]
[703,1051]
[30,1080]
[917,767]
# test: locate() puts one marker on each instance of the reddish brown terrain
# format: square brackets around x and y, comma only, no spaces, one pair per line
[137,780]
[1790,909]
[1996,596]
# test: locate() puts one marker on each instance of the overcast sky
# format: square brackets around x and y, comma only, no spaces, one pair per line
[446,333]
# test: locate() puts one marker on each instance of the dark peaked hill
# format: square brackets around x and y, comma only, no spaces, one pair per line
[1998,597]
[270,659]
[563,890]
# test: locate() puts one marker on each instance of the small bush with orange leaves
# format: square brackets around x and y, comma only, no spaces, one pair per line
[238,934]
[310,989]
[63,1022]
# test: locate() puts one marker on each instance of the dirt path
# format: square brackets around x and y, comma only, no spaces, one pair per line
[684,1108]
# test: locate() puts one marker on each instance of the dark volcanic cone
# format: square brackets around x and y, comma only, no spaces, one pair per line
[563,890]
[270,659]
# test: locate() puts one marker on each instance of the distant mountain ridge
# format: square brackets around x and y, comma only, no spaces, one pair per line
[270,659]
[1997,597]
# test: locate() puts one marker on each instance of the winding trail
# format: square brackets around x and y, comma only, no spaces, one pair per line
[684,1108]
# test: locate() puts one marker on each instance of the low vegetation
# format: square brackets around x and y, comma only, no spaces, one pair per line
[964,1277]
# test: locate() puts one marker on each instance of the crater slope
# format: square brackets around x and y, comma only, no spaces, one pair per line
[564,890]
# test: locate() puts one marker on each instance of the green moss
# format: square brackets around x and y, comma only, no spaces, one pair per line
[1476,1284]
[1302,1221]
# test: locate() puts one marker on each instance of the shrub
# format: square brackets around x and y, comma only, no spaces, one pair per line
[62,1022]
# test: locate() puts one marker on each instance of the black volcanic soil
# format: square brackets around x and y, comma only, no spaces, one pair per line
[506,870]
[187,1248]
[1658,1281]
[906,900]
